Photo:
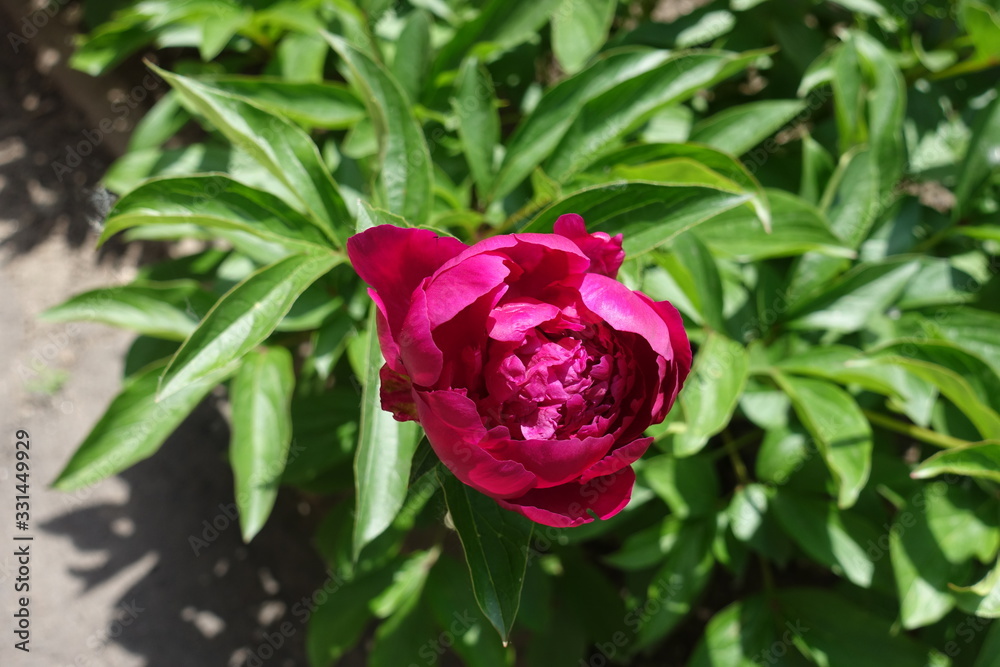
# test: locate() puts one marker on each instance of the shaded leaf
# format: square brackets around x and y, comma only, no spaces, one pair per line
[496,544]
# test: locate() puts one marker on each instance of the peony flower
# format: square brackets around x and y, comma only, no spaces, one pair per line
[532,370]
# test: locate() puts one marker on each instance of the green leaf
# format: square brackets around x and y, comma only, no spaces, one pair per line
[402,637]
[454,607]
[678,165]
[496,545]
[111,43]
[280,147]
[648,214]
[982,22]
[722,169]
[711,393]
[922,575]
[977,331]
[849,366]
[610,116]
[325,430]
[500,26]
[369,216]
[685,572]
[160,123]
[961,377]
[692,266]
[215,201]
[982,598]
[740,635]
[751,521]
[644,549]
[989,653]
[260,396]
[869,7]
[406,177]
[817,166]
[412,60]
[330,341]
[981,460]
[834,631]
[132,429]
[478,122]
[579,30]
[963,521]
[980,158]
[168,310]
[327,105]
[385,451]
[146,351]
[834,538]
[607,86]
[738,129]
[336,624]
[689,485]
[839,363]
[407,584]
[932,540]
[851,301]
[130,170]
[870,98]
[797,227]
[242,319]
[300,58]
[843,434]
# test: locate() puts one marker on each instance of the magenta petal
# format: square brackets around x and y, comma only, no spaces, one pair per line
[509,321]
[386,341]
[605,252]
[453,289]
[455,431]
[394,260]
[420,354]
[624,310]
[678,337]
[619,458]
[566,506]
[506,244]
[554,462]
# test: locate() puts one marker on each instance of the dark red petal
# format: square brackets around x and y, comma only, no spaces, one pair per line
[566,506]
[394,260]
[455,431]
[620,457]
[554,462]
[605,252]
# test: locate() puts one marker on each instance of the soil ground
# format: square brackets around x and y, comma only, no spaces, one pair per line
[114,580]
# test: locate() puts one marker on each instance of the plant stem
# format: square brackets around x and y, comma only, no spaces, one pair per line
[914,431]
[741,470]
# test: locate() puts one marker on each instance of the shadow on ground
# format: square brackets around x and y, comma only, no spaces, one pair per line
[213,607]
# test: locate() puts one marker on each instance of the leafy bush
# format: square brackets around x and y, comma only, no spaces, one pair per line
[813,185]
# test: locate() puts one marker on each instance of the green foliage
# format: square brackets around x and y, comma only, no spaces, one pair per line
[814,185]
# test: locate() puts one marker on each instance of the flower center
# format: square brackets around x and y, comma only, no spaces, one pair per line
[553,383]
